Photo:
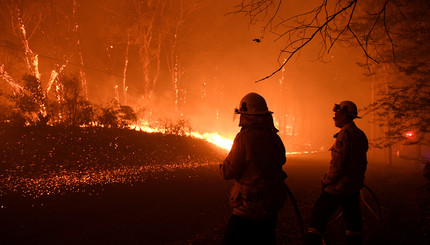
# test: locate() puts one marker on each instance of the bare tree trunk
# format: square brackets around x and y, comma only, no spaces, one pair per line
[389,148]
[173,54]
[5,76]
[79,48]
[149,42]
[124,86]
[282,118]
[54,76]
[31,59]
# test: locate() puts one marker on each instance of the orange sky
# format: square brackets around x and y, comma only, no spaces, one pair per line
[217,55]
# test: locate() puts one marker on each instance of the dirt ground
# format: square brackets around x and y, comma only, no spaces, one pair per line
[187,204]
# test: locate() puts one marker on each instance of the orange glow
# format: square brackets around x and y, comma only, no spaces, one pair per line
[300,152]
[213,138]
[409,134]
[5,76]
[185,72]
[31,59]
[54,76]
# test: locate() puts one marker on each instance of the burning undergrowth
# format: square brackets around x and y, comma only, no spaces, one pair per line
[45,160]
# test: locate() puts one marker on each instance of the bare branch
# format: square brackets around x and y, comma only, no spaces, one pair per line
[331,21]
[304,41]
[361,45]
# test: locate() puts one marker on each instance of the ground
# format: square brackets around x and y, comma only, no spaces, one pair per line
[114,187]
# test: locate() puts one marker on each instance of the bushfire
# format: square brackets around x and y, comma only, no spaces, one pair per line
[213,138]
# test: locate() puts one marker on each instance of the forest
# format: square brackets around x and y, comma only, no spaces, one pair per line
[100,103]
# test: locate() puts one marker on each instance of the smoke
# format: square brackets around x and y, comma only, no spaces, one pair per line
[216,61]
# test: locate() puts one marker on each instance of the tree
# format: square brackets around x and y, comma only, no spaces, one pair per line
[402,107]
[174,42]
[139,27]
[393,35]
[30,100]
[53,22]
[114,115]
[127,114]
[328,22]
[75,108]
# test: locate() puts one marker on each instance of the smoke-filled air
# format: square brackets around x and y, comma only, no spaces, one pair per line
[117,117]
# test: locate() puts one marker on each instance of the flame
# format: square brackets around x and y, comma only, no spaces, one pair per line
[300,152]
[213,138]
[5,76]
[54,76]
[31,59]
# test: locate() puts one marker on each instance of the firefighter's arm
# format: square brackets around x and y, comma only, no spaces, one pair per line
[338,160]
[232,166]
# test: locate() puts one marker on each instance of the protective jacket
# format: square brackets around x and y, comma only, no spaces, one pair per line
[255,163]
[348,161]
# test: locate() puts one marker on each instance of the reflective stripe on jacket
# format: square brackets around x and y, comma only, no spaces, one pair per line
[348,161]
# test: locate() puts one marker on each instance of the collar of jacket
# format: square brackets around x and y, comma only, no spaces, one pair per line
[261,121]
[348,125]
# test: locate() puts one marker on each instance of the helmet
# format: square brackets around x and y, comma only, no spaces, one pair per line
[347,107]
[253,104]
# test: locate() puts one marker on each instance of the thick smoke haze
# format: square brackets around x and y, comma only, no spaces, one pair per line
[217,62]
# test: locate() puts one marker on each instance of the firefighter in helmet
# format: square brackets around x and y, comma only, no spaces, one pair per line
[255,163]
[342,183]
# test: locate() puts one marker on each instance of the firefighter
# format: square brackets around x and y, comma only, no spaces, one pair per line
[255,163]
[342,183]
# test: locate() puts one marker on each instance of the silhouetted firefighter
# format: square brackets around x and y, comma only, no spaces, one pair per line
[255,163]
[342,184]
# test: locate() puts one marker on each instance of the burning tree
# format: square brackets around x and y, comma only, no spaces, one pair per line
[40,20]
[145,29]
[174,43]
[138,26]
[70,106]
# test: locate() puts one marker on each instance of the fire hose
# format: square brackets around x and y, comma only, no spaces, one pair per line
[296,208]
[378,215]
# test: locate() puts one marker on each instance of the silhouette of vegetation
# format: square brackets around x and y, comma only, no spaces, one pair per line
[30,102]
[180,127]
[69,107]
[402,105]
[393,36]
[66,106]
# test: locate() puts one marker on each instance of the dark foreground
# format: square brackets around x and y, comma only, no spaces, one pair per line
[186,202]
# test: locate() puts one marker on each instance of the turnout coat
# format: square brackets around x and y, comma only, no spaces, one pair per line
[255,163]
[348,162]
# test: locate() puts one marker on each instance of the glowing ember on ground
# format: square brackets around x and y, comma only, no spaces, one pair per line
[81,180]
[42,177]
